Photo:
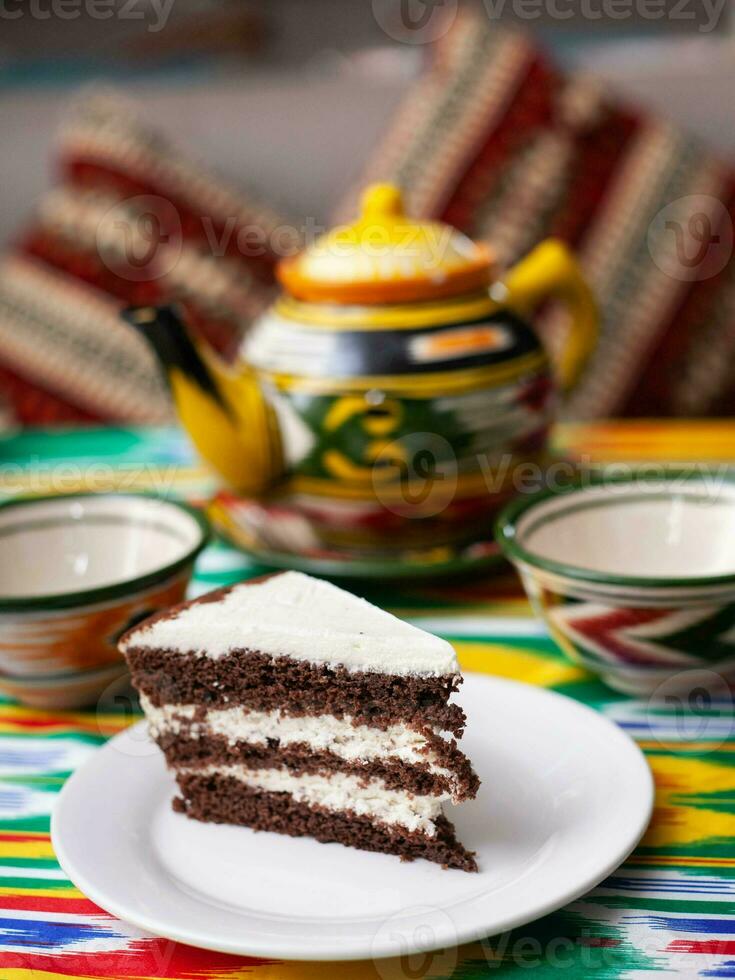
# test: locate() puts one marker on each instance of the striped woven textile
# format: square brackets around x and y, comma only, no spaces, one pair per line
[129,222]
[498,142]
[667,912]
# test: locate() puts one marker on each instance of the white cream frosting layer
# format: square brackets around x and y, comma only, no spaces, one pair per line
[340,792]
[319,732]
[305,618]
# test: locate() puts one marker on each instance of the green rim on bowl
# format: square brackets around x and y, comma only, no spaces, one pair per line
[66,600]
[507,525]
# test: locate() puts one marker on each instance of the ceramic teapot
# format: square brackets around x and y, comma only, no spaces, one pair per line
[394,387]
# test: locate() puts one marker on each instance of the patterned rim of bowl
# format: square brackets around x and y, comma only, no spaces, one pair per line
[507,525]
[104,593]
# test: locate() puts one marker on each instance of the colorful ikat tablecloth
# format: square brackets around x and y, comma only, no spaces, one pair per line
[667,912]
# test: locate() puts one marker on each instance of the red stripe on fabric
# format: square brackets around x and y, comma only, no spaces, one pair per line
[161,958]
[530,107]
[713,947]
[43,723]
[94,726]
[603,629]
[45,905]
[15,837]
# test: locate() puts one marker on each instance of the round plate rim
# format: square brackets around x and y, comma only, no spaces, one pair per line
[468,934]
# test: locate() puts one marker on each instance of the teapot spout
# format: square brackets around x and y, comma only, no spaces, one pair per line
[177,355]
[222,408]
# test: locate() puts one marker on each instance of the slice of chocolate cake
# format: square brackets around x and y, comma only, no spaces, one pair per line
[287,704]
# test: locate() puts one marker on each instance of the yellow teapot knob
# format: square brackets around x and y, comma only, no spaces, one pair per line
[382,200]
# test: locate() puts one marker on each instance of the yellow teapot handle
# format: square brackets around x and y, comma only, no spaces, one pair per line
[552,271]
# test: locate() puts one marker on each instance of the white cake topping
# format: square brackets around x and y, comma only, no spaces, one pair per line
[305,618]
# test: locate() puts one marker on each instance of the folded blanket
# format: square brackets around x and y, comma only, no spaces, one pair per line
[130,222]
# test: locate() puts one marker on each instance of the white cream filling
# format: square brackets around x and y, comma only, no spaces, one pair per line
[339,791]
[305,618]
[319,732]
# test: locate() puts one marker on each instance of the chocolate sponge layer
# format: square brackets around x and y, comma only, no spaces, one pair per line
[257,680]
[299,758]
[214,798]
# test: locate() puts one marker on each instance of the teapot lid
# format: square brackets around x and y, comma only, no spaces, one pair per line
[387,257]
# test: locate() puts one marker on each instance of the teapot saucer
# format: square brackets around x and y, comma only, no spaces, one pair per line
[283,536]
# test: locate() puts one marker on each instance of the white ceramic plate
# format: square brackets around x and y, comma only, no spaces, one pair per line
[566,796]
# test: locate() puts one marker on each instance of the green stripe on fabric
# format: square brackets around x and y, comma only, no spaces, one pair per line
[689,907]
[23,884]
[709,847]
[43,864]
[39,824]
[722,801]
[561,942]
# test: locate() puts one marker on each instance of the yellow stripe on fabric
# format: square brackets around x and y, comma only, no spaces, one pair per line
[516,663]
[702,747]
[21,973]
[40,848]
[437,965]
[66,892]
[676,821]
[35,973]
[188,481]
[675,441]
[429,966]
[107,731]
[677,860]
